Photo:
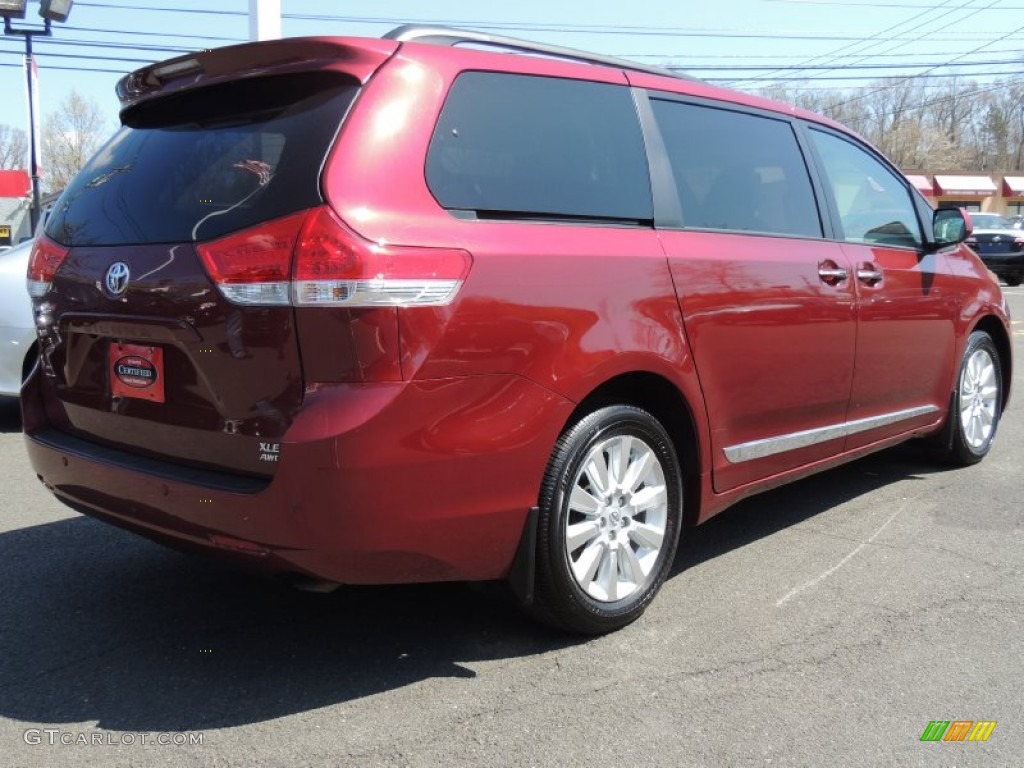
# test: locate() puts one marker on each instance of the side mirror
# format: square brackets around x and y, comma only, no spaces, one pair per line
[951,226]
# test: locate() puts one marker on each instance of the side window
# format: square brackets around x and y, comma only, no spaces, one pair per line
[737,171]
[517,144]
[874,203]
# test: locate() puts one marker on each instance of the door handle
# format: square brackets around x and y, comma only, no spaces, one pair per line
[869,274]
[831,273]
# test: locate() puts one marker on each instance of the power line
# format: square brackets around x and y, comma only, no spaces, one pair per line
[805,67]
[70,69]
[893,46]
[48,42]
[134,32]
[846,47]
[90,58]
[566,28]
[933,102]
[121,7]
[951,61]
[726,81]
[826,68]
[886,4]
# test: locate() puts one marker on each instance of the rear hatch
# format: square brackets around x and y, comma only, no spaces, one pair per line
[150,342]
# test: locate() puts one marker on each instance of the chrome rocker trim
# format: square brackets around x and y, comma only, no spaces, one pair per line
[758,449]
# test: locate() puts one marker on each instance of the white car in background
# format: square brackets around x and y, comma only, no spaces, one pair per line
[17,329]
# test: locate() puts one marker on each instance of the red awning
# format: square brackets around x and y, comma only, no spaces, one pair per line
[14,184]
[922,184]
[1013,186]
[971,186]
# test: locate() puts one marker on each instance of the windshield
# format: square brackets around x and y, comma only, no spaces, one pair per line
[206,163]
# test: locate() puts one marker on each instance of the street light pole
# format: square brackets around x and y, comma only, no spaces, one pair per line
[50,10]
[30,76]
[33,153]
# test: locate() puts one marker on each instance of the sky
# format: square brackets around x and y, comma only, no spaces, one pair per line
[747,44]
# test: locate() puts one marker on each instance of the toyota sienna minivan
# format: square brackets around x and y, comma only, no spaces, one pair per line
[448,306]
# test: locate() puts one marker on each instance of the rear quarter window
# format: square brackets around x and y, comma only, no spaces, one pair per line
[517,144]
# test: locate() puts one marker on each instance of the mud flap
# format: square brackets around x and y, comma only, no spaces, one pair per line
[521,575]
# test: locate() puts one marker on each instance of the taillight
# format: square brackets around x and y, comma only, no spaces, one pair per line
[43,263]
[336,267]
[254,266]
[313,259]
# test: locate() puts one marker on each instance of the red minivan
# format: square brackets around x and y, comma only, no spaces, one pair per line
[373,311]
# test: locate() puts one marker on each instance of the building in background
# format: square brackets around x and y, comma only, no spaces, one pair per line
[15,202]
[989,192]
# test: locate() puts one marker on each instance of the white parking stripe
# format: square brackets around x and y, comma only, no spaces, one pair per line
[806,585]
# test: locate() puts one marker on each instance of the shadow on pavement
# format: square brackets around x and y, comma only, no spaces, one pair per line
[767,513]
[99,625]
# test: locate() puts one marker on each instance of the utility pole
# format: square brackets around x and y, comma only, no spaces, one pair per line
[264,19]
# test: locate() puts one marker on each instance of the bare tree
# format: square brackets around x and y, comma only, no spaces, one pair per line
[922,122]
[71,135]
[13,148]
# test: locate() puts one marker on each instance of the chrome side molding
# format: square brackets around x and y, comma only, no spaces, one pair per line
[769,446]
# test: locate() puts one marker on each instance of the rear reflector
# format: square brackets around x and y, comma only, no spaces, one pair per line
[43,263]
[313,259]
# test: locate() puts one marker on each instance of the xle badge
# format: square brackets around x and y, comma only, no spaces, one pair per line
[269,451]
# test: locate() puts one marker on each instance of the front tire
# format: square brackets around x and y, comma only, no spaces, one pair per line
[610,514]
[976,405]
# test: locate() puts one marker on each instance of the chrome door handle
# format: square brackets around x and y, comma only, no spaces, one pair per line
[832,275]
[870,275]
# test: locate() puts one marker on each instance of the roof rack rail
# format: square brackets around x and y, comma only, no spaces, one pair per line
[440,35]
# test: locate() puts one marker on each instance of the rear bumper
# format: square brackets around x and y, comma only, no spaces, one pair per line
[375,483]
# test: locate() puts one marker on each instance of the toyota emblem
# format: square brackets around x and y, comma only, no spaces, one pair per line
[117,277]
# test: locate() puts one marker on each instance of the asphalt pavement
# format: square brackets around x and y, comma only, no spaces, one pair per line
[826,623]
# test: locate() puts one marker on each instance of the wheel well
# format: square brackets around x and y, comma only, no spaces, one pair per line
[663,400]
[994,328]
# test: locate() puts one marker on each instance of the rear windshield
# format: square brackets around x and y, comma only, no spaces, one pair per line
[206,163]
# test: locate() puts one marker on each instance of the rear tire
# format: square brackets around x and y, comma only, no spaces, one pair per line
[610,514]
[976,405]
[1013,280]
